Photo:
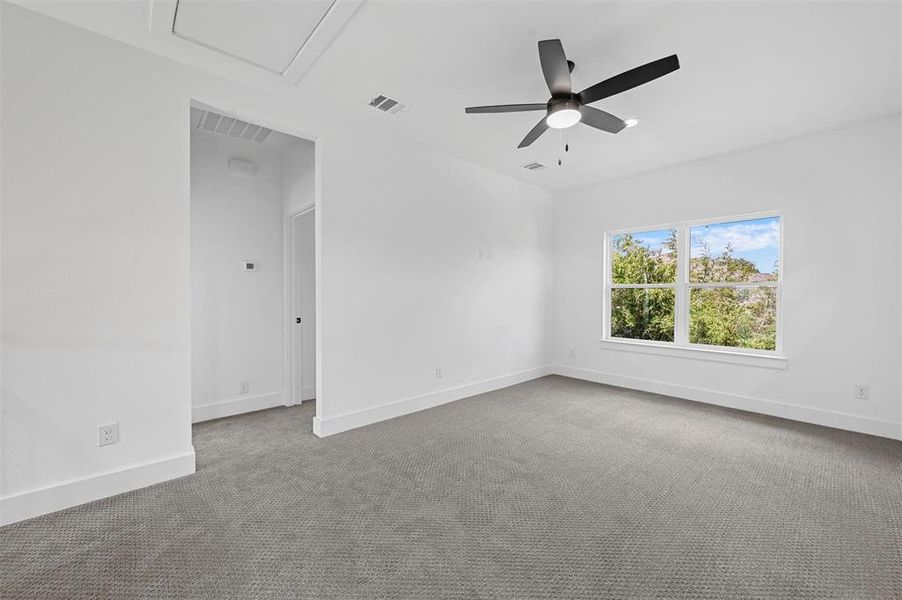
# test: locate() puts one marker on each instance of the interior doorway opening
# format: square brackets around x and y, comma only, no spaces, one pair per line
[253,275]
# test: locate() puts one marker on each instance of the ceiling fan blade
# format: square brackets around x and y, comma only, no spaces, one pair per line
[555,67]
[630,79]
[504,108]
[534,133]
[601,120]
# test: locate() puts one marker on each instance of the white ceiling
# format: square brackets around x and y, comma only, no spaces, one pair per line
[752,72]
[266,34]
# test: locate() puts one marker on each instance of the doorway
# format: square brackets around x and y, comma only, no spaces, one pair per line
[302,303]
[252,193]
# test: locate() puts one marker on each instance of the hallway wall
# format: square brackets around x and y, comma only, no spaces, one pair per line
[237,331]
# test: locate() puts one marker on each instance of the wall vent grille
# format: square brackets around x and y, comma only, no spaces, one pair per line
[235,128]
[388,105]
[534,166]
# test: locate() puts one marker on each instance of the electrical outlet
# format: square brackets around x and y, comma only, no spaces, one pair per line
[571,353]
[862,392]
[485,254]
[108,434]
[438,372]
[245,387]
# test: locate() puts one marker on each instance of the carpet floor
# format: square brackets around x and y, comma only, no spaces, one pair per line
[554,489]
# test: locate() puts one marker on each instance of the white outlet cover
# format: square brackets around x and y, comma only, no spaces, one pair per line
[108,434]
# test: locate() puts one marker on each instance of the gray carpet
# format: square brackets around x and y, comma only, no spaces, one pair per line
[551,489]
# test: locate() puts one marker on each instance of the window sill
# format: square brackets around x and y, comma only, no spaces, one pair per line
[767,361]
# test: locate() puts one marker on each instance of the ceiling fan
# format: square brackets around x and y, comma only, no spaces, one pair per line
[564,108]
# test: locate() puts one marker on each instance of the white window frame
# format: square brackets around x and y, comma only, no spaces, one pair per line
[680,346]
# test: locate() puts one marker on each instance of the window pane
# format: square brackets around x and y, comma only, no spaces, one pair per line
[646,257]
[735,317]
[642,314]
[738,251]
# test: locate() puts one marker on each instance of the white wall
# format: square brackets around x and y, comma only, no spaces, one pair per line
[298,175]
[95,265]
[237,326]
[300,193]
[400,261]
[839,191]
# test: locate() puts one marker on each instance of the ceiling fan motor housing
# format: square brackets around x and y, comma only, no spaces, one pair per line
[564,102]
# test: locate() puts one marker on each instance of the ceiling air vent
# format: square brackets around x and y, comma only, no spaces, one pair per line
[232,127]
[534,166]
[391,106]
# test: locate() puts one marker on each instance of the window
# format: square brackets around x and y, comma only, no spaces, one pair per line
[712,284]
[643,285]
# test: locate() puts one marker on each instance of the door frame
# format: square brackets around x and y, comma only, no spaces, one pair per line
[292,382]
[250,111]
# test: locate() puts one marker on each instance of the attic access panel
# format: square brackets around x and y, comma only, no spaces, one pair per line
[268,34]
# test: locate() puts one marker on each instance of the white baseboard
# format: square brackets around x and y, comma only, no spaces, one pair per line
[236,406]
[337,424]
[308,393]
[794,412]
[41,501]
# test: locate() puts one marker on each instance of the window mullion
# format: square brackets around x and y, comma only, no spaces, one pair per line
[608,280]
[681,310]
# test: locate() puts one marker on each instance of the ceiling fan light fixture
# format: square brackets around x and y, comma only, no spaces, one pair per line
[563,115]
[563,119]
[566,108]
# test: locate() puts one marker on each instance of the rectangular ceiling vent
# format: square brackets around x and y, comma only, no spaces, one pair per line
[534,166]
[388,105]
[232,127]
